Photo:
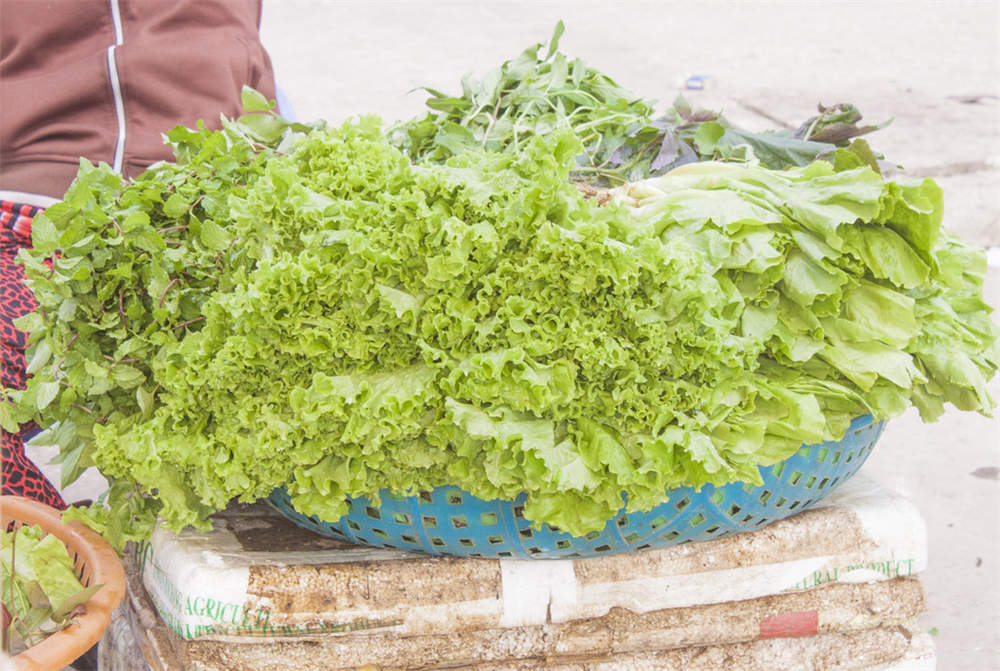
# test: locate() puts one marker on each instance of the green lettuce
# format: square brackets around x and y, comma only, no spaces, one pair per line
[342,321]
[38,586]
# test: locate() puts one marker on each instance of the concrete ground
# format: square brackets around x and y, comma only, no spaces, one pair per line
[933,67]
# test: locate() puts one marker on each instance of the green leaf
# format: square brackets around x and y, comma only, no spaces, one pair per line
[140,219]
[47,392]
[144,398]
[73,462]
[40,356]
[149,240]
[63,608]
[212,235]
[707,137]
[31,322]
[554,40]
[127,376]
[264,127]
[44,236]
[175,207]
[773,149]
[7,418]
[451,105]
[255,101]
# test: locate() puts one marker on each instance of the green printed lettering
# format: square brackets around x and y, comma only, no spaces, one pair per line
[168,588]
[235,616]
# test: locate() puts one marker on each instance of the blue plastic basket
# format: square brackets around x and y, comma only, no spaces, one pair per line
[449,521]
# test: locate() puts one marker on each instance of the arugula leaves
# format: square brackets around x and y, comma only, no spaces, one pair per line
[623,142]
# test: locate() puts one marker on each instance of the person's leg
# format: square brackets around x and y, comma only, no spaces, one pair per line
[20,475]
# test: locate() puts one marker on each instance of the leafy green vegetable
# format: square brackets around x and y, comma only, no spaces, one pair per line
[533,95]
[120,269]
[352,322]
[871,290]
[38,587]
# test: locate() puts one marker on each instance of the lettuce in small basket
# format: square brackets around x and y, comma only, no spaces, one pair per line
[40,591]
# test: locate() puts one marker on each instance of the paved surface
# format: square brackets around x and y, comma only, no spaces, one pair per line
[932,66]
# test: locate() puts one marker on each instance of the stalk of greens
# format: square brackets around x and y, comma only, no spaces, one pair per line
[533,95]
[121,269]
[343,321]
[38,586]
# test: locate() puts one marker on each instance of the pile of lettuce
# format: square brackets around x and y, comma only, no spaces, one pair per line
[340,320]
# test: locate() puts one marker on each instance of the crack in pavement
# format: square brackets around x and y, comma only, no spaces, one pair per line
[750,107]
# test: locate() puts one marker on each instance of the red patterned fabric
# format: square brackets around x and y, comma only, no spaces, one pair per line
[20,475]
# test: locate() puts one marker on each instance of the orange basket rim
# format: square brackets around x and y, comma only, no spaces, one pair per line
[92,554]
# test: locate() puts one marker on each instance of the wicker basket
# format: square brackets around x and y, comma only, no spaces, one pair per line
[95,562]
[449,521]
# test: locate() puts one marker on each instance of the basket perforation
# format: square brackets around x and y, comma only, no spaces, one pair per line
[450,521]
